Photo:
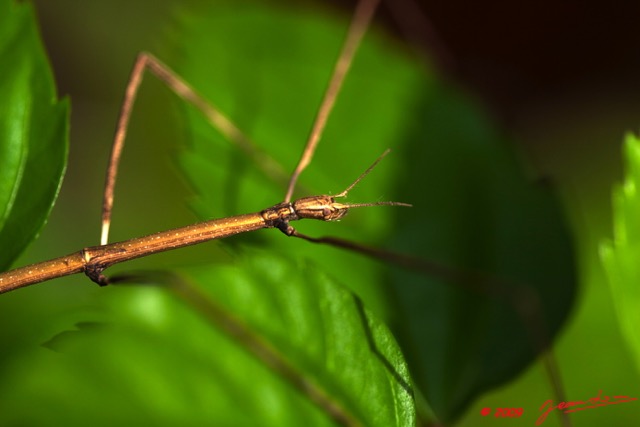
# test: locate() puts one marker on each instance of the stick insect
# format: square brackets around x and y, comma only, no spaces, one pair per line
[93,260]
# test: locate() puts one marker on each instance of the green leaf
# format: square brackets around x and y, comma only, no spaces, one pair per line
[474,209]
[501,236]
[267,69]
[33,132]
[621,257]
[162,361]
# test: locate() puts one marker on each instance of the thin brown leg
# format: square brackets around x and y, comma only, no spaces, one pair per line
[218,120]
[361,19]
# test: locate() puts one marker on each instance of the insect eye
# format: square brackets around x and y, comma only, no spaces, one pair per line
[326,212]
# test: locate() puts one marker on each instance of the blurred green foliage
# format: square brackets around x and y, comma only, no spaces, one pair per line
[621,257]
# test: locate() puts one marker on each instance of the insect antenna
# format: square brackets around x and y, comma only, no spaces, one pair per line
[360,178]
